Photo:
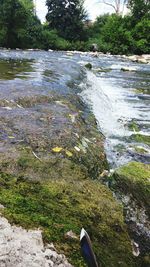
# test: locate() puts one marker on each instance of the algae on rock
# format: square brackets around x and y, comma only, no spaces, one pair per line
[134,179]
[58,206]
[46,188]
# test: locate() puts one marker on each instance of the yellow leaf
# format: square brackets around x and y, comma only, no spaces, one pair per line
[57,149]
[68,153]
[11,137]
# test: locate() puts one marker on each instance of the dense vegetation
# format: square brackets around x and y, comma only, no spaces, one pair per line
[66,27]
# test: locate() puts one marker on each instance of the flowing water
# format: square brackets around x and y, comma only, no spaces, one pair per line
[120,100]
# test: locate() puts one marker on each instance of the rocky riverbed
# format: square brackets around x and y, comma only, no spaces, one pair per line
[19,247]
[52,161]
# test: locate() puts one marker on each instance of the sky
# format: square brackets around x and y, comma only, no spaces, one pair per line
[92,6]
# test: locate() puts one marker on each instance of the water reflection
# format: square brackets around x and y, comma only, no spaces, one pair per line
[11,69]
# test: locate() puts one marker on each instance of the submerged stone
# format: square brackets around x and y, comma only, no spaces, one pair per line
[88,66]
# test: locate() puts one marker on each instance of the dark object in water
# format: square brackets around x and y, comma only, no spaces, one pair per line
[86,248]
[88,66]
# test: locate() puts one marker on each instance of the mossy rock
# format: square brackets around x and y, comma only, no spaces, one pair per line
[141,150]
[89,66]
[58,206]
[134,179]
[133,126]
[139,138]
[104,70]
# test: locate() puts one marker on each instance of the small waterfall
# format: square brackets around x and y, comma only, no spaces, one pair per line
[106,104]
[113,111]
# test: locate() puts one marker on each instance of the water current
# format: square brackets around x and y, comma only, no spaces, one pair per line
[120,100]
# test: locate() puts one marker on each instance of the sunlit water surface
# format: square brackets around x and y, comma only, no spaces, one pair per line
[119,100]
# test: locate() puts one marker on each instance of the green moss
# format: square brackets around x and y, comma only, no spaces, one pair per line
[141,138]
[133,126]
[27,102]
[140,150]
[134,178]
[59,206]
[142,91]
[104,70]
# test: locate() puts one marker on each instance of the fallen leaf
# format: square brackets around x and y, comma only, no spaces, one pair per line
[68,153]
[57,149]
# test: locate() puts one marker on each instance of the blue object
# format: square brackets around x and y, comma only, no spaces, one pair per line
[86,248]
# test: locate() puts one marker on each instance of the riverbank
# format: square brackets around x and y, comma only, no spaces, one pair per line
[143,59]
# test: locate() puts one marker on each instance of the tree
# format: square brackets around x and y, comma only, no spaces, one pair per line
[116,36]
[19,27]
[95,29]
[28,4]
[139,8]
[67,18]
[117,5]
[141,36]
[13,16]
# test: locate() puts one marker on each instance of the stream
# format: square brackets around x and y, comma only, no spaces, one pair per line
[119,99]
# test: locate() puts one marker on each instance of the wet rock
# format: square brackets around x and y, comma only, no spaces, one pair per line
[131,184]
[140,138]
[128,69]
[140,153]
[69,54]
[101,70]
[88,66]
[144,59]
[133,179]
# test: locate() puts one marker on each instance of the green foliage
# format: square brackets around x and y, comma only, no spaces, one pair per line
[19,27]
[65,28]
[141,36]
[12,18]
[28,4]
[3,34]
[139,9]
[67,18]
[96,28]
[113,35]
[51,40]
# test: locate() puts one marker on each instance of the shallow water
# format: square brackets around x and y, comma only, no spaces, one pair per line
[119,100]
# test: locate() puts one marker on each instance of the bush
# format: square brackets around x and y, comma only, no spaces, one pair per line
[3,37]
[141,36]
[51,40]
